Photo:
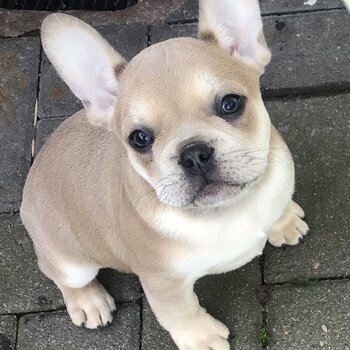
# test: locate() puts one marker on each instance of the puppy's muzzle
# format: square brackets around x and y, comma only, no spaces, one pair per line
[196,158]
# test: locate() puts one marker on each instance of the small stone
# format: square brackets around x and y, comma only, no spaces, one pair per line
[324,328]
[316,265]
[322,343]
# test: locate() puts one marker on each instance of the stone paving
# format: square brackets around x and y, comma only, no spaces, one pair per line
[298,298]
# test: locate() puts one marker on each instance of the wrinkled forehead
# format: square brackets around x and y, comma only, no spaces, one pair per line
[180,76]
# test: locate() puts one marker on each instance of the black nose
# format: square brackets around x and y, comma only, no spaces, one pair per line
[196,158]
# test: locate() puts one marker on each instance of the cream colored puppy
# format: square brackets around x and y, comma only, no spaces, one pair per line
[172,171]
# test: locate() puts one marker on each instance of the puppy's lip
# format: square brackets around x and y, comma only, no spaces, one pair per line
[216,192]
[214,189]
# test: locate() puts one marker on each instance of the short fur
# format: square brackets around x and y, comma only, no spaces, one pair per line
[92,201]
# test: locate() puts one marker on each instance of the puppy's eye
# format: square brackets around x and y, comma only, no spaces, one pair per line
[230,104]
[141,140]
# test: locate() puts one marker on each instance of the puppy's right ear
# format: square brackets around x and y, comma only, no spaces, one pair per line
[86,62]
[235,26]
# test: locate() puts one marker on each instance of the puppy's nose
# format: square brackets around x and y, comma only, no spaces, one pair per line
[196,158]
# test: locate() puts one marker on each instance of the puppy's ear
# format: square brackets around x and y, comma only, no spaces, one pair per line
[236,26]
[86,62]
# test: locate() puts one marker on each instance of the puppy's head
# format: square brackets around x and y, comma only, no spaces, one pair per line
[189,112]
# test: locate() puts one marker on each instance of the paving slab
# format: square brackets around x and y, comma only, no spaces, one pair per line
[309,53]
[293,40]
[317,131]
[20,23]
[232,298]
[55,98]
[316,316]
[269,7]
[19,62]
[123,287]
[23,287]
[8,328]
[55,331]
[189,10]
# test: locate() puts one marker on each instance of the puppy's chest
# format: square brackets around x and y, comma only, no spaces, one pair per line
[219,245]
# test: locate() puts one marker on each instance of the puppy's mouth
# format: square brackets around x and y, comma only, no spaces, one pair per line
[217,193]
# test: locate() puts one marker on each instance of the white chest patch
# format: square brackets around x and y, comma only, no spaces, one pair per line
[220,243]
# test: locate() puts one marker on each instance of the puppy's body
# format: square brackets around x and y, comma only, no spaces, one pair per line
[184,176]
[100,226]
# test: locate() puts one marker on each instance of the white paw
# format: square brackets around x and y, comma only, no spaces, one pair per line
[202,333]
[290,228]
[90,306]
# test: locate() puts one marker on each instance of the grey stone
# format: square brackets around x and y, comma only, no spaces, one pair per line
[19,61]
[55,331]
[232,298]
[23,287]
[286,6]
[15,23]
[166,32]
[55,98]
[8,328]
[309,53]
[189,10]
[123,287]
[311,317]
[317,131]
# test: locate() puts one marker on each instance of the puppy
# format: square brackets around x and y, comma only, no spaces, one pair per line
[172,170]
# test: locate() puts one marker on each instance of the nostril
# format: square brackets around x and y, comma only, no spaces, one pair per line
[187,162]
[205,155]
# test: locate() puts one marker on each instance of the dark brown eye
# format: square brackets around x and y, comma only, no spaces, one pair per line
[230,104]
[141,140]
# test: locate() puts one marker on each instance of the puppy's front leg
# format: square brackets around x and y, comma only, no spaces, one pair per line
[177,309]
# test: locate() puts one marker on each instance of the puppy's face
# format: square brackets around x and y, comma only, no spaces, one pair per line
[193,122]
[188,111]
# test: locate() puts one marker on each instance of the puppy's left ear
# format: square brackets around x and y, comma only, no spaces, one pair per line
[86,62]
[236,26]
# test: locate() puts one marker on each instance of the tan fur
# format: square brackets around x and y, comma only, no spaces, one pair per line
[90,201]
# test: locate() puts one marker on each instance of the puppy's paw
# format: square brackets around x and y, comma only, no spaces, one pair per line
[290,228]
[90,306]
[202,333]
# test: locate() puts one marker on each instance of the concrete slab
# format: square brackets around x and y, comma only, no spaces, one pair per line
[23,287]
[317,131]
[55,98]
[19,61]
[309,53]
[55,331]
[232,298]
[168,31]
[123,287]
[311,317]
[8,329]
[20,23]
[189,10]
[269,7]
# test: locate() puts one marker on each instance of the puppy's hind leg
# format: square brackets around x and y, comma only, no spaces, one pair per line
[290,228]
[88,303]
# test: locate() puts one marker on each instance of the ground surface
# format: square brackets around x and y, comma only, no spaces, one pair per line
[301,295]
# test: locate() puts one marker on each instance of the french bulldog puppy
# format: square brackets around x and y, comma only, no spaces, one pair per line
[172,170]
